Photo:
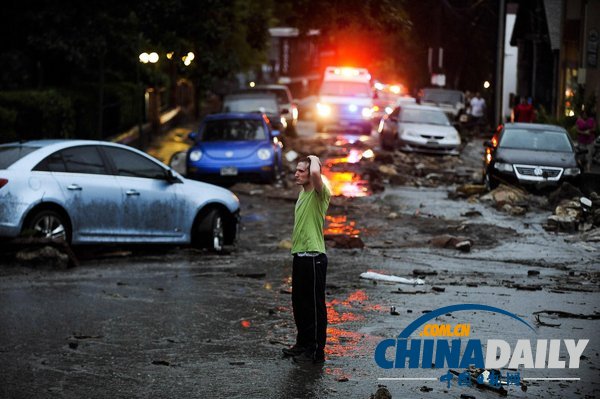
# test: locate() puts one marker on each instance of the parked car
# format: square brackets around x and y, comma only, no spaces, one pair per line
[265,103]
[235,147]
[98,192]
[530,154]
[413,127]
[288,107]
[452,102]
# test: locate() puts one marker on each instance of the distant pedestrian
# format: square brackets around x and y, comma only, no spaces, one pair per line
[309,267]
[586,127]
[478,107]
[524,111]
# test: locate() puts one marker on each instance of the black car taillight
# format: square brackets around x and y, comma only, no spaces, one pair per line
[3,182]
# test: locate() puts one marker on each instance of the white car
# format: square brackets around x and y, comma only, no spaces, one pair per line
[87,192]
[413,127]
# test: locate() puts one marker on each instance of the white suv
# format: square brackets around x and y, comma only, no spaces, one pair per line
[287,107]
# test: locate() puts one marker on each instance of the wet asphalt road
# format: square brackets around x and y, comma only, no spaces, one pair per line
[174,322]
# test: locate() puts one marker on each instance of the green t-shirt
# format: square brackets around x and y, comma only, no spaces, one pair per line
[309,217]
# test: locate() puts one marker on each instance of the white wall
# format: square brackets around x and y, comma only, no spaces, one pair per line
[509,80]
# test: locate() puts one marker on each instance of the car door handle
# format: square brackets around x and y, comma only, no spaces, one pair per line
[132,192]
[74,187]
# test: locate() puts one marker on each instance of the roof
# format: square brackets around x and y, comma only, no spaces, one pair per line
[436,90]
[234,115]
[270,87]
[250,94]
[419,106]
[59,142]
[534,126]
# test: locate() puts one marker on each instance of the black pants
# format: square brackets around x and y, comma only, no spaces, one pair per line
[308,301]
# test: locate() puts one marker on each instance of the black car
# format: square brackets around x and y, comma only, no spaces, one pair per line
[530,154]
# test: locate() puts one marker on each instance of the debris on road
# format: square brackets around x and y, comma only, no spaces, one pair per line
[480,378]
[463,244]
[381,393]
[161,363]
[391,278]
[467,190]
[560,313]
[44,256]
[252,275]
[575,214]
[34,251]
[285,244]
[539,322]
[421,272]
[507,195]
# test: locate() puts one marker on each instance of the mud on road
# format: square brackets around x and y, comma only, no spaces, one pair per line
[175,322]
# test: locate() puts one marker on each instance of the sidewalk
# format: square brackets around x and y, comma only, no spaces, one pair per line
[172,141]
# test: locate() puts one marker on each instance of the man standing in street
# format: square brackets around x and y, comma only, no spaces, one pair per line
[309,267]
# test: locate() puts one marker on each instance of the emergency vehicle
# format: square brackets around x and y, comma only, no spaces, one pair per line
[345,99]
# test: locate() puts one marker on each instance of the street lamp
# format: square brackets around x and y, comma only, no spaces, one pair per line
[188,58]
[152,97]
[149,58]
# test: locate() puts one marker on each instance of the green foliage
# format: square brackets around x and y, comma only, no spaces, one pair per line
[39,114]
[122,107]
[8,117]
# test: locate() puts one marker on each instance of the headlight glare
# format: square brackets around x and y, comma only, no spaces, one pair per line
[572,172]
[323,109]
[195,155]
[367,112]
[503,167]
[264,154]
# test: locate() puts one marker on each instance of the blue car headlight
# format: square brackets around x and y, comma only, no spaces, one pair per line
[264,154]
[195,155]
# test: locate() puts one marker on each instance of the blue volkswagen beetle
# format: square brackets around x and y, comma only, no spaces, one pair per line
[235,147]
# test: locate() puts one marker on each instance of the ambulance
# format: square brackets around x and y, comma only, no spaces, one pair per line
[345,100]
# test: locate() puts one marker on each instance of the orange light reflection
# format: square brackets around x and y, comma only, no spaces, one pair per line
[338,224]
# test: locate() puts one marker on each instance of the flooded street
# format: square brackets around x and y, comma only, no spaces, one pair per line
[176,322]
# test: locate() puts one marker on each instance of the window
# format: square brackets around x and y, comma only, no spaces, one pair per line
[427,117]
[10,154]
[84,159]
[128,163]
[536,140]
[233,130]
[52,163]
[347,89]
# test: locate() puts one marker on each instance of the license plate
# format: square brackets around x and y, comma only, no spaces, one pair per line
[229,171]
[432,142]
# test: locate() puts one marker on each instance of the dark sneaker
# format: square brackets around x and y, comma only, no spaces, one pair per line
[309,358]
[293,351]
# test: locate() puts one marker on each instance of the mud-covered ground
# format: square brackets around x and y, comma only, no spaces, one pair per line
[175,322]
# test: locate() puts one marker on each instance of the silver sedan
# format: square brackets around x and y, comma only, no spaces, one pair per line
[100,192]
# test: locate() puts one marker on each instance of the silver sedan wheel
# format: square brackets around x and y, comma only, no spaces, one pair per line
[49,225]
[218,233]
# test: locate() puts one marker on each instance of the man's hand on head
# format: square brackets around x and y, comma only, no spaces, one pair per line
[315,173]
